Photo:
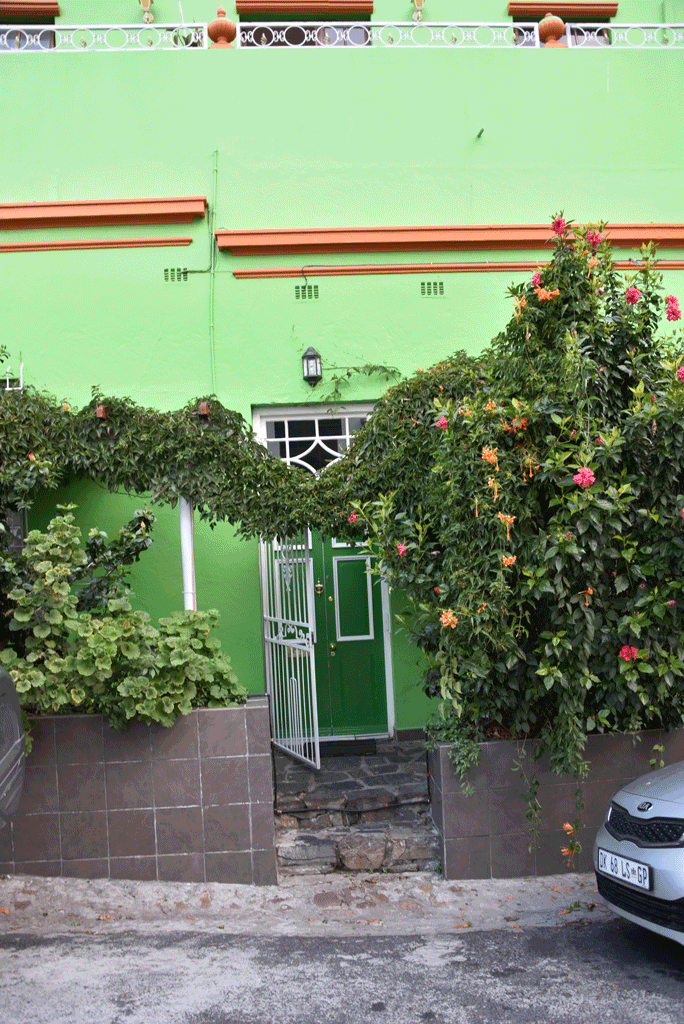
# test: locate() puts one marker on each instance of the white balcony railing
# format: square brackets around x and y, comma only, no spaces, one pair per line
[76,38]
[455,35]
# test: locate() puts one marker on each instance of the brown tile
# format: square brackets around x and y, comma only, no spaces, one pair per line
[549,859]
[224,780]
[78,739]
[85,869]
[6,845]
[229,867]
[557,804]
[129,784]
[262,826]
[264,867]
[507,810]
[465,815]
[138,869]
[40,789]
[437,811]
[502,756]
[258,729]
[135,744]
[179,830]
[44,868]
[131,833]
[222,732]
[81,787]
[227,828]
[260,771]
[43,739]
[597,797]
[511,857]
[36,837]
[84,835]
[176,783]
[637,752]
[180,740]
[674,746]
[434,767]
[605,754]
[6,867]
[187,867]
[467,858]
[477,778]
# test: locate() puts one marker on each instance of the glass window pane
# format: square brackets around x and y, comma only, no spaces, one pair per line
[301,428]
[276,428]
[356,422]
[330,428]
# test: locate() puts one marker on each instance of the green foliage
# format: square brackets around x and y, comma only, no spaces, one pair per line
[77,644]
[547,609]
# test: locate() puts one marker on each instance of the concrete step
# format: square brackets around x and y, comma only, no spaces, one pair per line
[386,847]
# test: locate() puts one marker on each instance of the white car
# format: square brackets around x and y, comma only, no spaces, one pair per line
[639,852]
[12,748]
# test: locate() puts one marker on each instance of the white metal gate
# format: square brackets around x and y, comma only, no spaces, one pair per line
[289,636]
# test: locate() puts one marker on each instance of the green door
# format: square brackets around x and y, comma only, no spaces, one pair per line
[349,650]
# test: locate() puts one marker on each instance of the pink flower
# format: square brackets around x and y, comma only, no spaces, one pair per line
[584,477]
[352,518]
[671,603]
[438,591]
[680,374]
[628,653]
[443,423]
[632,295]
[436,554]
[536,279]
[402,549]
[559,225]
[593,238]
[673,310]
[642,586]
[569,535]
[683,513]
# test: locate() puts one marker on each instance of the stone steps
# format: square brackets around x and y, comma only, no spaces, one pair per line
[388,847]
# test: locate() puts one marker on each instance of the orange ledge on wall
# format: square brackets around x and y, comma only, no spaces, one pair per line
[563,8]
[91,212]
[29,9]
[94,243]
[364,269]
[289,7]
[456,238]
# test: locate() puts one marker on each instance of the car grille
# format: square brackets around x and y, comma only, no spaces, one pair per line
[652,832]
[667,913]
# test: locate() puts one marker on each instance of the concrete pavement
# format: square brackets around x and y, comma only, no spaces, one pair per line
[339,904]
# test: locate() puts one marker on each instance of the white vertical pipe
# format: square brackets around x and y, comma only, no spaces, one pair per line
[187,538]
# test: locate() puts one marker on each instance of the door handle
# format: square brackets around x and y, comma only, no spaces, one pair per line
[319,587]
[333,647]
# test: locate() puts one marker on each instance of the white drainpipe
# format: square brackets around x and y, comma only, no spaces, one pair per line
[187,537]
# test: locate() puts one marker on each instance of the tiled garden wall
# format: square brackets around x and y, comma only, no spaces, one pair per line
[484,835]
[192,803]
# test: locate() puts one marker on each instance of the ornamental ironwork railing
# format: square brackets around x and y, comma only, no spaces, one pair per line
[113,38]
[459,35]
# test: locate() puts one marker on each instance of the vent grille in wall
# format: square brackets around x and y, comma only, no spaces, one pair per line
[175,274]
[431,288]
[306,291]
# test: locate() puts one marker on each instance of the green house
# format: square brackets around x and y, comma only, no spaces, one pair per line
[191,201]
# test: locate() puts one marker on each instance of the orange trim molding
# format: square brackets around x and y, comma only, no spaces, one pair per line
[91,212]
[455,238]
[94,243]
[29,9]
[364,269]
[571,9]
[289,7]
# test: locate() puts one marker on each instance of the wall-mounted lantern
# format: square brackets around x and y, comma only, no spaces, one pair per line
[101,412]
[418,9]
[311,366]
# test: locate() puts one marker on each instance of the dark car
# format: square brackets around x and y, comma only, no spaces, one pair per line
[12,748]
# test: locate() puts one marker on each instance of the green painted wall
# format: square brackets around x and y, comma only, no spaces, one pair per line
[301,138]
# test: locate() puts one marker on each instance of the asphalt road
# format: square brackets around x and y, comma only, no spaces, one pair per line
[607,971]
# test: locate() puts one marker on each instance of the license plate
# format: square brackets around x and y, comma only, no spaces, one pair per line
[629,871]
